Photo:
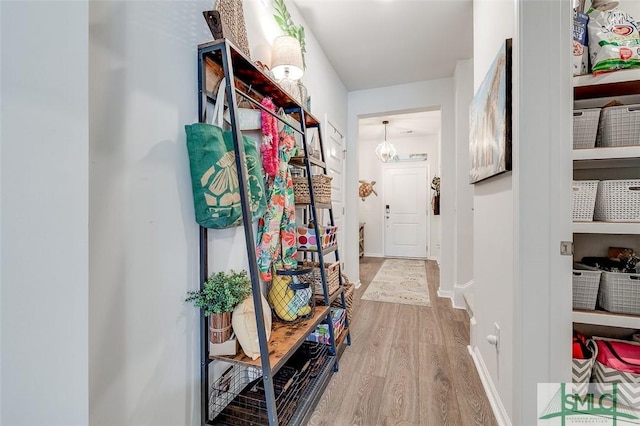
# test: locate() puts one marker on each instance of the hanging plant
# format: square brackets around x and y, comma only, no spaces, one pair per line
[283,18]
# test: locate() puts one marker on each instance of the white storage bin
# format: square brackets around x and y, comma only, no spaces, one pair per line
[618,201]
[620,126]
[585,127]
[586,282]
[620,293]
[584,199]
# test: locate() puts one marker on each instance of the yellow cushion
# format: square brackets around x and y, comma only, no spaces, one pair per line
[245,326]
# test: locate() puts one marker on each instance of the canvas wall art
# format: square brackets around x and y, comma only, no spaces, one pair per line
[490,120]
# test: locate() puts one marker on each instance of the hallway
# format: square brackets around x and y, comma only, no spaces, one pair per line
[407,365]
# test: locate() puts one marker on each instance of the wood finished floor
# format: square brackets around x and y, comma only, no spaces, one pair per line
[407,365]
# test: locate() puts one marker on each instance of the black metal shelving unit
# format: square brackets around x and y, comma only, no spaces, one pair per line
[243,78]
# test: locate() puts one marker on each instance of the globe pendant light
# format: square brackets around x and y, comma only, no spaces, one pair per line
[385,151]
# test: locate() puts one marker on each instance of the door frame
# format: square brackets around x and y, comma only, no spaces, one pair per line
[325,137]
[401,166]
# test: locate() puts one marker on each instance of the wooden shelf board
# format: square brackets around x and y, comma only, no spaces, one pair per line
[606,319]
[246,71]
[606,227]
[299,161]
[285,339]
[318,205]
[613,157]
[341,337]
[324,252]
[618,83]
[332,297]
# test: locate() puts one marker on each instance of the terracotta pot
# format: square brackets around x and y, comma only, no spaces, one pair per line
[220,327]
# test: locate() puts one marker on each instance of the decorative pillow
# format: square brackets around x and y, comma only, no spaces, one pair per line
[243,321]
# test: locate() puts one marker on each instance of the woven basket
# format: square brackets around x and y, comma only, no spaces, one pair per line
[620,126]
[232,14]
[321,189]
[584,199]
[618,201]
[331,273]
[586,283]
[585,127]
[620,293]
[348,299]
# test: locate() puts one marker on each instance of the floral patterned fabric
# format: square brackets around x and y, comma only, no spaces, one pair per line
[277,228]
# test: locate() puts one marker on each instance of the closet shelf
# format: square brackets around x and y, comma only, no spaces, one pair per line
[613,157]
[299,161]
[618,83]
[285,339]
[606,319]
[606,228]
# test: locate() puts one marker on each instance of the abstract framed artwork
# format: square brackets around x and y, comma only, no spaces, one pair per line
[490,120]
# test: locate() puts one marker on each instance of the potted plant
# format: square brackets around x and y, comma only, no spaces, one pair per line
[219,295]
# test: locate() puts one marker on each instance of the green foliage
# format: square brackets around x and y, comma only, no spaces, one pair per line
[283,18]
[222,292]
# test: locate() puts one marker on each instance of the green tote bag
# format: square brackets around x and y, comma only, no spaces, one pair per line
[214,175]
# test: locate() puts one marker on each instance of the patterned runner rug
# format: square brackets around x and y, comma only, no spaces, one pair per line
[400,281]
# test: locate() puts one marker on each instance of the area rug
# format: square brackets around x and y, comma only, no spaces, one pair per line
[400,281]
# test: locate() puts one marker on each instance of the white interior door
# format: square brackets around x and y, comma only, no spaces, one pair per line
[405,211]
[334,157]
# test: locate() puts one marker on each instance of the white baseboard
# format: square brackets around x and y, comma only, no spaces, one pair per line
[436,258]
[490,389]
[357,284]
[445,293]
[458,294]
[373,255]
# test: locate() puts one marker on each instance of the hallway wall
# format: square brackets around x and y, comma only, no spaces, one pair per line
[144,340]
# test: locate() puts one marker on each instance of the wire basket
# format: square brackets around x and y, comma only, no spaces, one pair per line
[620,293]
[331,274]
[321,189]
[620,126]
[238,397]
[585,127]
[618,201]
[584,199]
[290,295]
[586,282]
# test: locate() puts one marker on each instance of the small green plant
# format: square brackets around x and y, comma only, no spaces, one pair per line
[221,293]
[283,18]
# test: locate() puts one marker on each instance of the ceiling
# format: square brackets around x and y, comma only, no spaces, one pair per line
[418,123]
[377,43]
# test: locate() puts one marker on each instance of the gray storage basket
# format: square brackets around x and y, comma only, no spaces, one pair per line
[586,282]
[585,127]
[618,201]
[584,199]
[620,126]
[620,293]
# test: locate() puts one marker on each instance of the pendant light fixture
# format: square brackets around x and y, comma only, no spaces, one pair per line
[385,151]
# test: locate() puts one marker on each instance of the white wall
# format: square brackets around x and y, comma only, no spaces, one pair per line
[396,99]
[44,198]
[520,279]
[463,252]
[144,348]
[371,211]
